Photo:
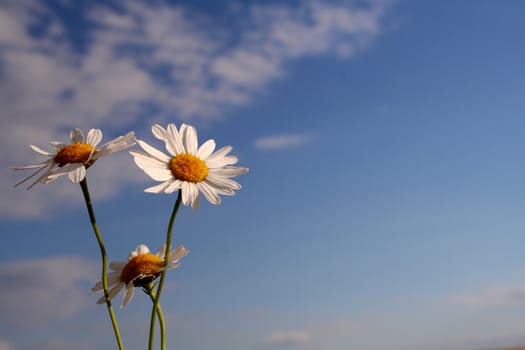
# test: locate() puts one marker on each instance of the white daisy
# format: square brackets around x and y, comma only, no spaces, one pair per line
[141,268]
[73,159]
[190,168]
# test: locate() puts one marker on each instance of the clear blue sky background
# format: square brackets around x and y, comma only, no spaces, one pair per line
[384,207]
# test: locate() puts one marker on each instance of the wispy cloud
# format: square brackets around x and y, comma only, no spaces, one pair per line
[144,62]
[37,291]
[321,333]
[494,297]
[276,142]
[291,337]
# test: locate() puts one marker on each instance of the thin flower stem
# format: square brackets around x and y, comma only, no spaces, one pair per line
[87,198]
[162,278]
[150,291]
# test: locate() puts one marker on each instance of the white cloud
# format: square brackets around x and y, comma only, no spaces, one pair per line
[321,333]
[37,291]
[276,142]
[145,62]
[494,297]
[291,337]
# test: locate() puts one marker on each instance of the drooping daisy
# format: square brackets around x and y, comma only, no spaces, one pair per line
[141,268]
[73,159]
[190,168]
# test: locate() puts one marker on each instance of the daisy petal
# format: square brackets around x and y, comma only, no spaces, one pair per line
[94,137]
[206,149]
[158,188]
[77,136]
[40,151]
[210,193]
[178,253]
[176,139]
[189,138]
[78,173]
[153,151]
[128,295]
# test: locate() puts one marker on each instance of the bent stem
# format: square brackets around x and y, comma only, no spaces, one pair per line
[85,191]
[149,291]
[162,278]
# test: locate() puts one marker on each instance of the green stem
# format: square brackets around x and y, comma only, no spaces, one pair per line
[85,191]
[149,290]
[162,277]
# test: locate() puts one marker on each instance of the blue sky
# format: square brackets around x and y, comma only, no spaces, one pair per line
[384,203]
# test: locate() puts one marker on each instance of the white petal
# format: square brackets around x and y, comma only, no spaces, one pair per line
[77,173]
[128,295]
[58,144]
[175,185]
[142,249]
[40,151]
[185,188]
[209,193]
[222,183]
[206,149]
[221,161]
[158,188]
[77,136]
[117,265]
[162,250]
[153,151]
[159,132]
[111,293]
[176,139]
[153,167]
[228,171]
[189,138]
[220,153]
[94,137]
[196,203]
[178,253]
[117,144]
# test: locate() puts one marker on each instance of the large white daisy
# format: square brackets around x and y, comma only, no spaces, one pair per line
[141,268]
[73,159]
[190,168]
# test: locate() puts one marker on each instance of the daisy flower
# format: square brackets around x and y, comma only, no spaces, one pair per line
[141,268]
[188,168]
[73,159]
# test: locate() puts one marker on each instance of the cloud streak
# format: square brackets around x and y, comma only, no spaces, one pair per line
[37,291]
[277,142]
[141,63]
[495,297]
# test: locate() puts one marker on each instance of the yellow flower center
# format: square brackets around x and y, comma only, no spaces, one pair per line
[187,167]
[74,153]
[142,269]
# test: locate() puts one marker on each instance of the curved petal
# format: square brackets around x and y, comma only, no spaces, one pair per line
[172,187]
[228,171]
[111,293]
[161,251]
[94,137]
[178,253]
[209,193]
[158,188]
[117,265]
[40,151]
[153,167]
[189,138]
[77,136]
[206,149]
[77,173]
[176,138]
[153,151]
[142,249]
[128,295]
